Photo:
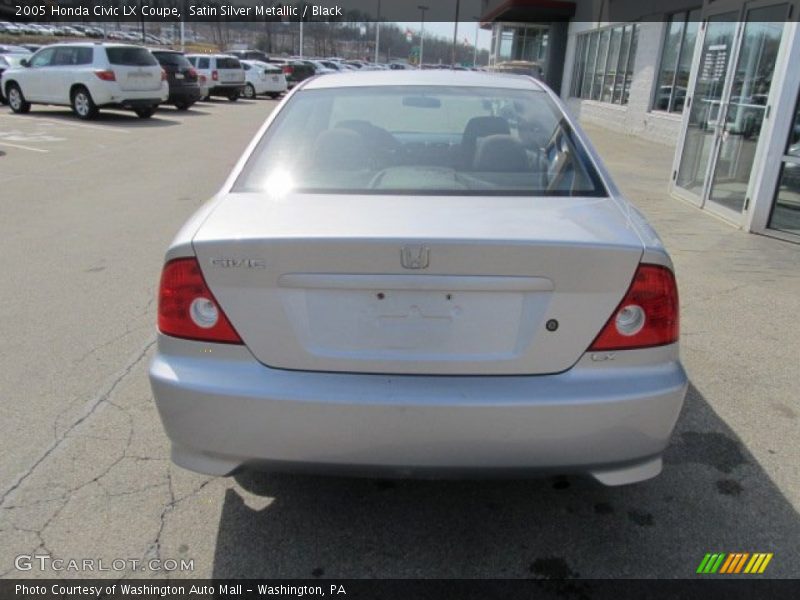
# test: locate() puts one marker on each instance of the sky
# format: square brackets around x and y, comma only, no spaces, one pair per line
[466,29]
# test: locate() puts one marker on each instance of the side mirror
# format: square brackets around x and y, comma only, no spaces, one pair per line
[25,62]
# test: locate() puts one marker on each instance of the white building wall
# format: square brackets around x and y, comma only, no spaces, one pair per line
[636,117]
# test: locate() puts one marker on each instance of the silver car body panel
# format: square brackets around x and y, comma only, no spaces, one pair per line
[550,406]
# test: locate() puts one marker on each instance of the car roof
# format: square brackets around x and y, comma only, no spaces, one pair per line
[438,77]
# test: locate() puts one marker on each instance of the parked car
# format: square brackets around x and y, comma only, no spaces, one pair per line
[326,311]
[88,76]
[319,67]
[294,70]
[9,61]
[250,55]
[8,49]
[32,47]
[184,86]
[10,28]
[263,79]
[224,74]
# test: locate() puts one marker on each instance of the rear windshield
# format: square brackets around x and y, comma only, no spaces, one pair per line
[172,59]
[421,139]
[228,63]
[131,56]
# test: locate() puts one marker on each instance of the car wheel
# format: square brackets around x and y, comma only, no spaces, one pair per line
[145,113]
[16,100]
[274,96]
[83,105]
[183,105]
[233,96]
[249,91]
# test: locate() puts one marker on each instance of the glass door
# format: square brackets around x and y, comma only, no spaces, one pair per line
[746,110]
[728,107]
[702,131]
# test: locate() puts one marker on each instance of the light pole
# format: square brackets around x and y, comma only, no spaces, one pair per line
[422,10]
[378,33]
[455,35]
[477,30]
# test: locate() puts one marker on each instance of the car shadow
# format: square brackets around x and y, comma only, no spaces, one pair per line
[107,117]
[711,497]
[191,112]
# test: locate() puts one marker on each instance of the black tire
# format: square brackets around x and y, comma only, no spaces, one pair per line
[249,91]
[274,95]
[182,106]
[16,99]
[82,104]
[145,113]
[234,96]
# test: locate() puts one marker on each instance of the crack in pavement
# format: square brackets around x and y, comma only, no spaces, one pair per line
[99,400]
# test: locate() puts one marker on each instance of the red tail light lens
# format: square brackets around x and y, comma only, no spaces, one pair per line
[192,73]
[288,69]
[187,308]
[647,315]
[214,75]
[107,75]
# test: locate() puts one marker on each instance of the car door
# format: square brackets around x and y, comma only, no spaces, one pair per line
[33,80]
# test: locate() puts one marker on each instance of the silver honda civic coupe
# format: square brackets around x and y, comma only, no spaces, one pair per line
[419,273]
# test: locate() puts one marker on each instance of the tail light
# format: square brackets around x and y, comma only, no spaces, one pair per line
[163,75]
[647,315]
[192,73]
[288,69]
[187,308]
[214,75]
[106,75]
[202,78]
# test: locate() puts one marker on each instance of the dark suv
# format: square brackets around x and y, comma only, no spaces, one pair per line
[184,87]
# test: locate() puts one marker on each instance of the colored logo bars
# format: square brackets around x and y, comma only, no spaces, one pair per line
[735,562]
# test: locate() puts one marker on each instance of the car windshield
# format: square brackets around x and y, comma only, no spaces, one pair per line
[172,59]
[130,56]
[13,60]
[421,139]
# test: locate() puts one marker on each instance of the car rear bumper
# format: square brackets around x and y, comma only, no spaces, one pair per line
[222,410]
[223,89]
[185,94]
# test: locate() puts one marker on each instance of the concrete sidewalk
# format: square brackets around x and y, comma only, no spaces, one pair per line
[740,294]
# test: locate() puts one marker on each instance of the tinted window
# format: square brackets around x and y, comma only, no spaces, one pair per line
[202,63]
[245,66]
[228,63]
[172,59]
[72,56]
[131,56]
[421,139]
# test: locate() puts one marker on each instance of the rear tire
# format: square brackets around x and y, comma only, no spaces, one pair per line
[274,96]
[145,113]
[249,91]
[183,106]
[82,104]
[233,96]
[16,100]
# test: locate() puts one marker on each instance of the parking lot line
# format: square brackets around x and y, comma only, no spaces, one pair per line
[24,147]
[67,124]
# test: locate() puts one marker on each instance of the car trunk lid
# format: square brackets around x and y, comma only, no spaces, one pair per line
[436,285]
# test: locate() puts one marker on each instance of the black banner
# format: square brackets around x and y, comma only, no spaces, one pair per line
[733,588]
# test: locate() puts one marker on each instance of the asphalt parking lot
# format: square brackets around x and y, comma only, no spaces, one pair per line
[88,209]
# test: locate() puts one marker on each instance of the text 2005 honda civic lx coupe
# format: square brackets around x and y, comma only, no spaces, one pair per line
[419,273]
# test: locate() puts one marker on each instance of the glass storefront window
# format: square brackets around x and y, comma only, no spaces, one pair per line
[786,208]
[603,67]
[676,61]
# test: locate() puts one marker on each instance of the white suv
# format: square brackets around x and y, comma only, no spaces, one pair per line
[87,77]
[224,74]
